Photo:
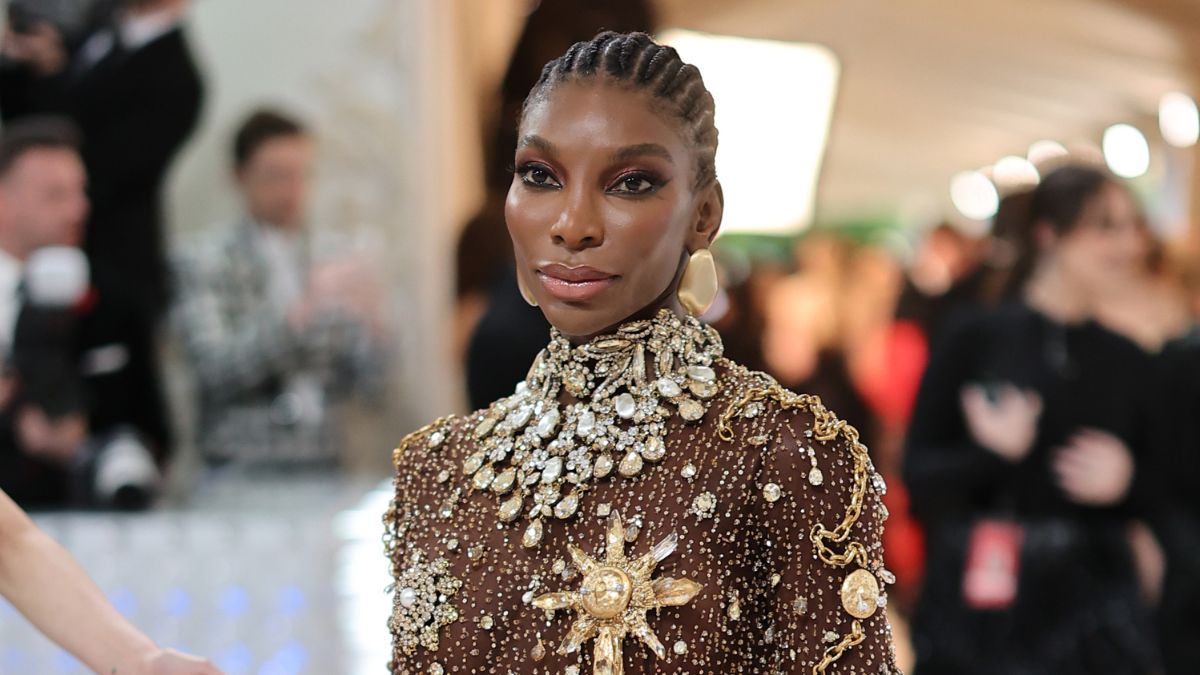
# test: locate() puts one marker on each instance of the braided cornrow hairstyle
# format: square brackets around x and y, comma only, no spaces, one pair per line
[637,61]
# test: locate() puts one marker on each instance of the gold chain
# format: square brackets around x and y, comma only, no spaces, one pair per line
[826,427]
[855,636]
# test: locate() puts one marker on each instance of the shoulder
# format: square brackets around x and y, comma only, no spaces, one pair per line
[171,54]
[808,454]
[420,444]
[818,495]
[794,418]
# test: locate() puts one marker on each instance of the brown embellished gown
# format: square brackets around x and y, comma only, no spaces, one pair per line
[775,565]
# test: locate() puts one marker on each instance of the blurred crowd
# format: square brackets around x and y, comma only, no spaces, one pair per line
[96,99]
[1032,396]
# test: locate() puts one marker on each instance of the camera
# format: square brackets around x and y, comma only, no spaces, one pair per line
[119,472]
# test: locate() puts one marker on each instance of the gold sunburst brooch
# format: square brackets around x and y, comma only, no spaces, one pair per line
[614,597]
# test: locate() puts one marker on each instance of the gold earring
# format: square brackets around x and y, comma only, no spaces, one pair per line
[525,292]
[698,287]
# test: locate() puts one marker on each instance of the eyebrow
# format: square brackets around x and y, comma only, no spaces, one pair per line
[619,155]
[642,149]
[538,142]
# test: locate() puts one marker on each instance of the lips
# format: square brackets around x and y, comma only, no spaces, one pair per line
[574,284]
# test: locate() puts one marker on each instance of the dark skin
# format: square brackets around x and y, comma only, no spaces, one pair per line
[604,208]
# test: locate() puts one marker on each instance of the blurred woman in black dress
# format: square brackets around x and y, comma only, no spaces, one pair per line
[1177,522]
[1023,457]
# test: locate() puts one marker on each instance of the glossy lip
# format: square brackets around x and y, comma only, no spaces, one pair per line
[574,284]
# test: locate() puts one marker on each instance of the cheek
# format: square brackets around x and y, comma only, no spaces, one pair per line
[1094,253]
[530,217]
[651,230]
[517,221]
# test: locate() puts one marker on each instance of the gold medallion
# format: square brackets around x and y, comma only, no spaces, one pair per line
[860,594]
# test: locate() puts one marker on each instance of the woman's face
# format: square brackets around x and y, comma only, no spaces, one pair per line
[602,207]
[1108,244]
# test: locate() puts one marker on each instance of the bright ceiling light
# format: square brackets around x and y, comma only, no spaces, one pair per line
[1042,152]
[1126,151]
[1179,120]
[1015,172]
[772,138]
[974,195]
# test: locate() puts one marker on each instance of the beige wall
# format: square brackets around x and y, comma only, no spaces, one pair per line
[392,89]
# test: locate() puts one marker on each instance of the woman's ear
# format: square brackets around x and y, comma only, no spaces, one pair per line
[709,211]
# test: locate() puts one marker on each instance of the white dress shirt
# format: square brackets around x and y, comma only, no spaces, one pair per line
[10,302]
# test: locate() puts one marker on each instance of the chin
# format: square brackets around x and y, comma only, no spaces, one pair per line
[577,321]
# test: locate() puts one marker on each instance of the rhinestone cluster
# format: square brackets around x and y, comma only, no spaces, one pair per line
[538,454]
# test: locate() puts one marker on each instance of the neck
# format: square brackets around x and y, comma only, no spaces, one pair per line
[1054,294]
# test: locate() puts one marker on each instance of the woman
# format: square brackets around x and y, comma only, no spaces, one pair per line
[42,581]
[634,469]
[1021,455]
[1178,512]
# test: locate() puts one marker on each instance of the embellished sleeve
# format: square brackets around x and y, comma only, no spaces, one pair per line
[411,575]
[815,497]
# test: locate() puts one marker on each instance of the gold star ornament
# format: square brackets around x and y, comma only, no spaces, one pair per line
[614,597]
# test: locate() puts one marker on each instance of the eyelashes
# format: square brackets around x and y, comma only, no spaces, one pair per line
[537,176]
[639,183]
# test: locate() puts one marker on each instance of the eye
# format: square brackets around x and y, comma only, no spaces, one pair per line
[635,183]
[537,176]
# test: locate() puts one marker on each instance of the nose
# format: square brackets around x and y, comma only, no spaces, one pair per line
[579,226]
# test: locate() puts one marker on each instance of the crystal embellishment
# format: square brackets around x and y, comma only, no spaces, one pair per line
[422,605]
[533,534]
[538,444]
[604,466]
[704,505]
[668,387]
[654,449]
[631,464]
[626,406]
[772,492]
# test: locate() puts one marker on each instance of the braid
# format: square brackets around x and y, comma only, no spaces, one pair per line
[636,60]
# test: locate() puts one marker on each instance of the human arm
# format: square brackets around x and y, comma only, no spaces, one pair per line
[50,589]
[817,499]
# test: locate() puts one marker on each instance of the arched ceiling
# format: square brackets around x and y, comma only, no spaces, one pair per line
[932,87]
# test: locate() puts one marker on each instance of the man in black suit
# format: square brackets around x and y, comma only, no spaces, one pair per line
[131,85]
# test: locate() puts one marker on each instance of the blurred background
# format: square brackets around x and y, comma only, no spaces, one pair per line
[292,251]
